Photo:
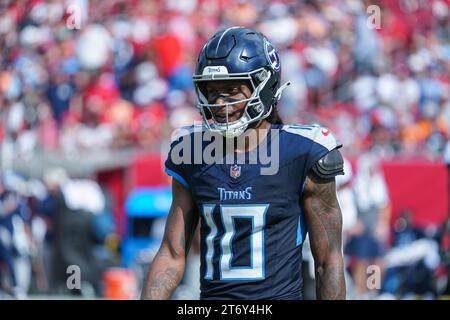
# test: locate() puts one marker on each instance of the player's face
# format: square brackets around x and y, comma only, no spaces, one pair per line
[223,92]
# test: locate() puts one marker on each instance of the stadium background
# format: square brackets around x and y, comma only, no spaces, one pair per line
[90,92]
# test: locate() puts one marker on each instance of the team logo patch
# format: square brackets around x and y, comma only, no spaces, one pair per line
[272,55]
[235,171]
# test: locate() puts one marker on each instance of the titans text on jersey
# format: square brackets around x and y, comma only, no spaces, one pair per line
[252,225]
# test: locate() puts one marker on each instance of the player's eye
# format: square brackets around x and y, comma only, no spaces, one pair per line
[233,90]
[211,93]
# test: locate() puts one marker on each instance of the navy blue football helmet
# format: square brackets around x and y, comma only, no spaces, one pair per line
[239,53]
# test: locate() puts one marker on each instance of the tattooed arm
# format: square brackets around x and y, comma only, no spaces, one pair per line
[167,268]
[324,220]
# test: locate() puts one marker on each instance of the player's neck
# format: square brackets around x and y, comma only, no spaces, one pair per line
[252,137]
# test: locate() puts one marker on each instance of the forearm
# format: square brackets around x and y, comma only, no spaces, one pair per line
[330,281]
[167,268]
[324,219]
[163,277]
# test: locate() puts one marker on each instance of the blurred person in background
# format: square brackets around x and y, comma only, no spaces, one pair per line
[82,227]
[8,204]
[15,243]
[445,233]
[412,261]
[347,201]
[48,210]
[444,286]
[79,227]
[368,237]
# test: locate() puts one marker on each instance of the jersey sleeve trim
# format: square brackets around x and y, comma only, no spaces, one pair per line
[177,177]
[317,134]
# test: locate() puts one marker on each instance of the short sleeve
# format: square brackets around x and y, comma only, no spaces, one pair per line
[179,163]
[174,166]
[176,172]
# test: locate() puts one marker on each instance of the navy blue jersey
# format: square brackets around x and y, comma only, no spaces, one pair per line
[252,225]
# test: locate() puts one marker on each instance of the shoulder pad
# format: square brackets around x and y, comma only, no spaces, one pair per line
[329,166]
[316,133]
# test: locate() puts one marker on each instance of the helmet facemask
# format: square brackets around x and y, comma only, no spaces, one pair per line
[254,110]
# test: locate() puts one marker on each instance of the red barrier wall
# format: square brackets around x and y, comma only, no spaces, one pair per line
[419,186]
[114,182]
[147,170]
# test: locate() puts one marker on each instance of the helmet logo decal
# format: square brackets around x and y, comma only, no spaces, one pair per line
[272,55]
[215,70]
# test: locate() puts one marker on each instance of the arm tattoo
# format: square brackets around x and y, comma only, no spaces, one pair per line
[164,284]
[324,220]
[167,268]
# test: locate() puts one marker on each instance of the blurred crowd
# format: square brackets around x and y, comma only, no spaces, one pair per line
[79,76]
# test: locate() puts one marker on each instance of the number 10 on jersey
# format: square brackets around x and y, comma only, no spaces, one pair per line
[257,215]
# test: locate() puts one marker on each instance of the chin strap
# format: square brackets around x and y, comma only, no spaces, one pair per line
[280,90]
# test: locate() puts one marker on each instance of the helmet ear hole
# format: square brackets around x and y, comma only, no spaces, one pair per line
[254,110]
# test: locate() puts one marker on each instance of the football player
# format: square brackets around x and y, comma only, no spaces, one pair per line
[252,225]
